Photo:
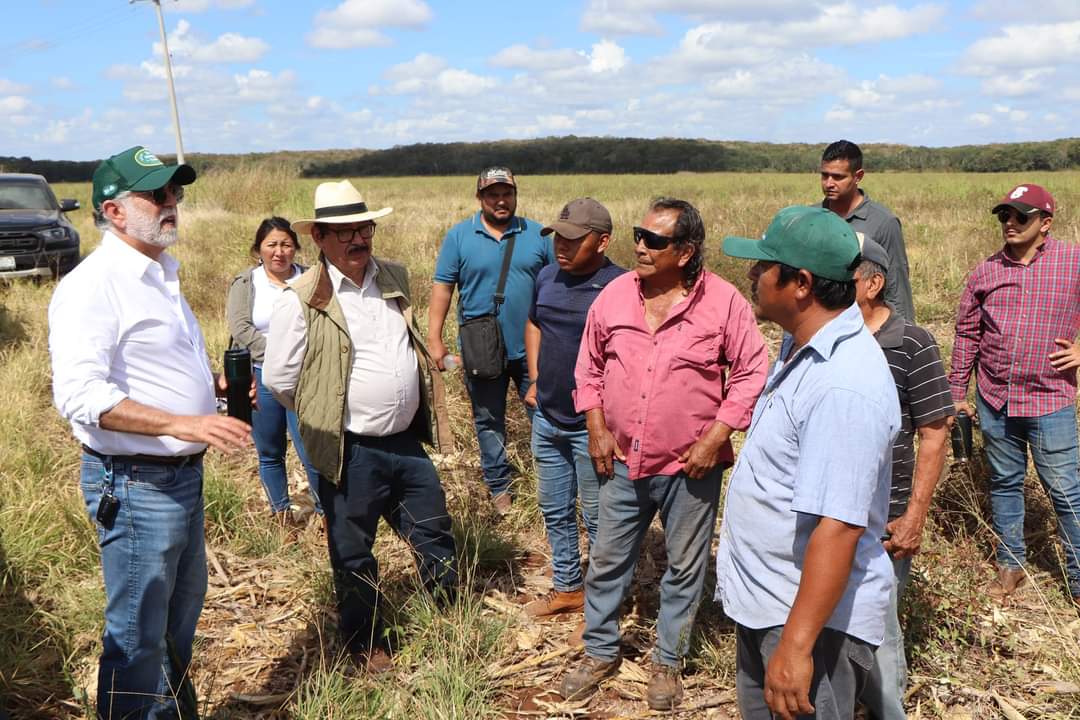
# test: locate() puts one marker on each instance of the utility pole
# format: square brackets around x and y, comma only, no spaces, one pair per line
[169,76]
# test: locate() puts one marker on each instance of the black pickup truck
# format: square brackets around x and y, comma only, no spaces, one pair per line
[36,238]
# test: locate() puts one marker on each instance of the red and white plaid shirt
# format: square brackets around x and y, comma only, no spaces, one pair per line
[1008,318]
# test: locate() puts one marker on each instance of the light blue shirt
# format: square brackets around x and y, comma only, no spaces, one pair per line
[819,445]
[471,259]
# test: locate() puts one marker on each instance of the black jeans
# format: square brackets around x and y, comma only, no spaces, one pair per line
[393,478]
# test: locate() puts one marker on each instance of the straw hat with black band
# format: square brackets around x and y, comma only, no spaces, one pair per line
[339,203]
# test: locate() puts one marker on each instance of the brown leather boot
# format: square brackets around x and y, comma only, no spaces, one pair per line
[583,680]
[557,602]
[1006,582]
[665,687]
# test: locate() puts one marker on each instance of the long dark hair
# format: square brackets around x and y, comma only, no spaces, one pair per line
[268,226]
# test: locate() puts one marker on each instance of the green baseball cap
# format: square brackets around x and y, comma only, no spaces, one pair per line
[135,169]
[810,238]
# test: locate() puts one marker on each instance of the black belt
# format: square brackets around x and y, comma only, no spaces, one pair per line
[171,460]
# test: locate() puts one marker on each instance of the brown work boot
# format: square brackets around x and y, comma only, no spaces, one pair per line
[1006,582]
[375,661]
[502,503]
[583,680]
[665,687]
[557,602]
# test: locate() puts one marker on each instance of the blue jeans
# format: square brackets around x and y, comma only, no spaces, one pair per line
[1052,440]
[488,398]
[688,512]
[563,469]
[153,558]
[268,424]
[884,693]
[391,478]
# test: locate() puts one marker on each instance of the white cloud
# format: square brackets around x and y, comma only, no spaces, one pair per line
[788,82]
[556,122]
[13,104]
[638,17]
[981,119]
[527,58]
[607,56]
[260,86]
[62,82]
[1022,47]
[1025,82]
[357,23]
[185,44]
[1006,10]
[9,87]
[1018,116]
[839,114]
[423,66]
[462,83]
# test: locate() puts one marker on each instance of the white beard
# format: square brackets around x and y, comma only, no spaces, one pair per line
[146,228]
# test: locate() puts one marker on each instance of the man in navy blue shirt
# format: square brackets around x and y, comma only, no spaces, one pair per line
[560,442]
[470,259]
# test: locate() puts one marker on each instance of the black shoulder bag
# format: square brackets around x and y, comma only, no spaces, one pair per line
[483,352]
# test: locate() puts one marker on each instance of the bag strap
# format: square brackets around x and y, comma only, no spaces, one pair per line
[508,253]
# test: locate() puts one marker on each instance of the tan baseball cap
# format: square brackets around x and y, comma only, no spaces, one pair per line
[579,218]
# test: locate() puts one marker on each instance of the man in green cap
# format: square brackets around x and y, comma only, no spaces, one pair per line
[800,567]
[131,374]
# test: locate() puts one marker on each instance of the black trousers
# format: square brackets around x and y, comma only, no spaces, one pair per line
[393,478]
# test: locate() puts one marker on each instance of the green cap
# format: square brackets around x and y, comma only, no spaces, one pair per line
[135,169]
[810,238]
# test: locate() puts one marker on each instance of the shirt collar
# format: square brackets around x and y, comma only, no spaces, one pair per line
[337,278]
[1050,244]
[834,332]
[516,225]
[860,209]
[891,333]
[134,260]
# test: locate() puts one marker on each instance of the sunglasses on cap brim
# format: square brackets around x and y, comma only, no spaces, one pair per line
[1022,218]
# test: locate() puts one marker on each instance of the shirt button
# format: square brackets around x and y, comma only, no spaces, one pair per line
[642,396]
[344,348]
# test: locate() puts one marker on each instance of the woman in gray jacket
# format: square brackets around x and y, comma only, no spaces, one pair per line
[252,295]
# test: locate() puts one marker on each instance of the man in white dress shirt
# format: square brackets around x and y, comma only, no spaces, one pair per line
[345,352]
[130,373]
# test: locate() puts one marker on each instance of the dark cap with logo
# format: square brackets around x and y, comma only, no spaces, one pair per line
[494,176]
[1028,199]
[874,252]
[809,238]
[136,169]
[579,218]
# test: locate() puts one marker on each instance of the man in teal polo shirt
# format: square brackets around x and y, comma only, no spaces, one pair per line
[470,259]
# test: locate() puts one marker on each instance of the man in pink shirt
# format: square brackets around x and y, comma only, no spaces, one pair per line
[671,363]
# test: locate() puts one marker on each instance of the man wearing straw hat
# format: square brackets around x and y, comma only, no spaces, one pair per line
[345,352]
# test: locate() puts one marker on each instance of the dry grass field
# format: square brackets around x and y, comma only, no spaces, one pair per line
[266,645]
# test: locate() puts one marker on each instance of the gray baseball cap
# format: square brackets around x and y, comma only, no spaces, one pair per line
[579,218]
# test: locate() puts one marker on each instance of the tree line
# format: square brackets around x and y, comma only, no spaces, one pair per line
[572,155]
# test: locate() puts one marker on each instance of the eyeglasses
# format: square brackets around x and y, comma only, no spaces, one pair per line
[161,194]
[652,240]
[364,232]
[1020,218]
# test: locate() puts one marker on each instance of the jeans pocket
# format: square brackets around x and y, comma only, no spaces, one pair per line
[158,476]
[861,654]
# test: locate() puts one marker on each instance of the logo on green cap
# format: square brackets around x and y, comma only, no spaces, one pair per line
[147,159]
[108,190]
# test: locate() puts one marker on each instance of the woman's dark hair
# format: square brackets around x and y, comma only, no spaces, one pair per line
[833,294]
[268,226]
[689,230]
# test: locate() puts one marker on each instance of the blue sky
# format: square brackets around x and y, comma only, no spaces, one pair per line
[79,80]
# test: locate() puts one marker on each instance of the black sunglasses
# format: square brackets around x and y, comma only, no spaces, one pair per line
[160,195]
[651,239]
[1004,214]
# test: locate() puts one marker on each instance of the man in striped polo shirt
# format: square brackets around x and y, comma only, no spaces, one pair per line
[925,408]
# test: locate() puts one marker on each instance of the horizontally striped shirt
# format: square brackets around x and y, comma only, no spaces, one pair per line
[1008,318]
[923,390]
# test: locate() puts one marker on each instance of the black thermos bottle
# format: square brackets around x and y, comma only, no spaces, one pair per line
[961,437]
[238,376]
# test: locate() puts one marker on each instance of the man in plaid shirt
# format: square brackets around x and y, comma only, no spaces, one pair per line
[1018,321]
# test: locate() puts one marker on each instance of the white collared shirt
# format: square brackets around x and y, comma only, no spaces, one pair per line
[120,329]
[384,386]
